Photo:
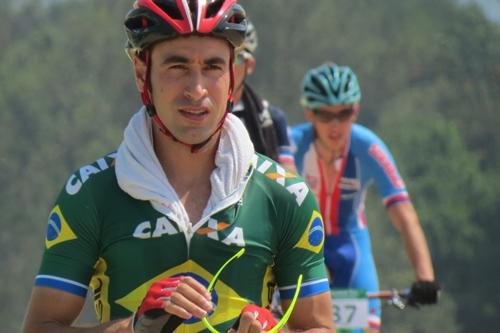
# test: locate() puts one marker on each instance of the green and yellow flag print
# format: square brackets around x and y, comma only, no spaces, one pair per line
[314,236]
[58,230]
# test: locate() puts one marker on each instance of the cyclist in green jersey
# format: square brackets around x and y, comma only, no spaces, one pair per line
[148,227]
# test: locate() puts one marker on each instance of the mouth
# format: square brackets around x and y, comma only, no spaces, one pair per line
[334,136]
[194,113]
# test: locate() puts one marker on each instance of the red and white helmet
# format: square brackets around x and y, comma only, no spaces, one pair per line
[156,20]
[153,21]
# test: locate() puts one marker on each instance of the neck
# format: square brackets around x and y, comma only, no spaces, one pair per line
[188,173]
[185,170]
[327,154]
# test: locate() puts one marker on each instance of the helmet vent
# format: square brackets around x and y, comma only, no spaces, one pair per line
[213,7]
[347,83]
[137,23]
[333,87]
[170,8]
[319,85]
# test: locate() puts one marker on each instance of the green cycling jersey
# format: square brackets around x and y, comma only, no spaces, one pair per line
[99,236]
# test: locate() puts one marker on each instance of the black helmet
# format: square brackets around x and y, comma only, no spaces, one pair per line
[152,21]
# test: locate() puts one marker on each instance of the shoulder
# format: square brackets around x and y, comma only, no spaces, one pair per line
[276,113]
[302,132]
[281,186]
[295,207]
[92,177]
[363,135]
[364,140]
[278,116]
[85,197]
[302,136]
[374,154]
[75,214]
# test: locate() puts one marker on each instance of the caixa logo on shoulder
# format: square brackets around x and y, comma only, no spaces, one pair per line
[75,182]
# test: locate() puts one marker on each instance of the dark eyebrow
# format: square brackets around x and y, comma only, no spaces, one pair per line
[175,59]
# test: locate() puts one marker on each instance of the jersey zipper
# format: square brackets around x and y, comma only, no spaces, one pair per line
[189,236]
[189,232]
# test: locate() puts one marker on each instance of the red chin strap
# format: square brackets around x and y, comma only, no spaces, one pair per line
[151,110]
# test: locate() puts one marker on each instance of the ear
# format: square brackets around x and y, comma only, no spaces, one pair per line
[250,65]
[356,108]
[309,115]
[140,69]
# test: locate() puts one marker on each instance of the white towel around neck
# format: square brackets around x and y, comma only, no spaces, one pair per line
[140,174]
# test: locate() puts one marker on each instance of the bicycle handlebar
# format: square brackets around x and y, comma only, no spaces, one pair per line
[397,298]
[387,294]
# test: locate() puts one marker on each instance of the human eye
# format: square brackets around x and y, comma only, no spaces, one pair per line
[176,70]
[214,67]
[322,116]
[177,67]
[345,114]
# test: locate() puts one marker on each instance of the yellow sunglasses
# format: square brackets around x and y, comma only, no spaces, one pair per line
[282,321]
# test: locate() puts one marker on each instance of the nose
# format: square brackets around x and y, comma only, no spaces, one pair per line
[195,88]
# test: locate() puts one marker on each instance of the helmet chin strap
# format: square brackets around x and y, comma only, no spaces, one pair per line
[151,110]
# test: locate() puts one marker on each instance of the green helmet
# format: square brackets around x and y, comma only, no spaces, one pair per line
[329,84]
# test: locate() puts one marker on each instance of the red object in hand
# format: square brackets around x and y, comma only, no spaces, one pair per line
[263,315]
[151,317]
[159,292]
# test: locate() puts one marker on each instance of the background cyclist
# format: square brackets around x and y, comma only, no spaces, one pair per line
[148,226]
[266,124]
[339,159]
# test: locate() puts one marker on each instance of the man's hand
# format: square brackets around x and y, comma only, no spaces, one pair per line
[254,319]
[424,292]
[169,302]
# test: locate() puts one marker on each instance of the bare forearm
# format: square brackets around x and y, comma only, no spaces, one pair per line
[418,252]
[314,330]
[311,314]
[117,326]
[54,311]
[405,219]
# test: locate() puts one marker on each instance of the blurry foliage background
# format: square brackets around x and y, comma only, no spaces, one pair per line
[430,75]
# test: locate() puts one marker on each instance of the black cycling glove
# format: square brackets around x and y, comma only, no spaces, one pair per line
[424,292]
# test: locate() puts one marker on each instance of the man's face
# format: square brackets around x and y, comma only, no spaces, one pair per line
[190,78]
[333,124]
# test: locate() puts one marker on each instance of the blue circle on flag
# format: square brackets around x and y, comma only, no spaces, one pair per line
[53,227]
[316,232]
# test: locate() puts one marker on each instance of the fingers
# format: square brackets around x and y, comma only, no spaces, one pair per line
[189,298]
[248,324]
[201,289]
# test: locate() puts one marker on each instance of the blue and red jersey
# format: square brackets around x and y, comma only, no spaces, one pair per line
[366,160]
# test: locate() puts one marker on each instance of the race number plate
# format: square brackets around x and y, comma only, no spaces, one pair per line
[350,308]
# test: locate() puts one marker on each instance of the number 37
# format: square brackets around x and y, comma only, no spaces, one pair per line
[343,313]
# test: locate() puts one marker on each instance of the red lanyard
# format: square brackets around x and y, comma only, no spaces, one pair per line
[332,223]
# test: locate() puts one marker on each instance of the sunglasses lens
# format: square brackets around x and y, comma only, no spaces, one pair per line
[345,114]
[326,116]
